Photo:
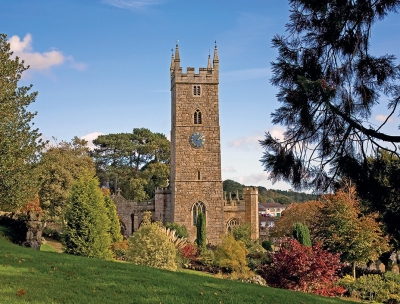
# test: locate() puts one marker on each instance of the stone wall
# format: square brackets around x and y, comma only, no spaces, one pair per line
[130,213]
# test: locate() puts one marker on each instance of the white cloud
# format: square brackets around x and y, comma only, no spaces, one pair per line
[39,61]
[90,137]
[246,74]
[132,4]
[253,179]
[229,169]
[382,118]
[251,142]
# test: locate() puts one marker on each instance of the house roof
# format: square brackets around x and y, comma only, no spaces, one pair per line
[270,205]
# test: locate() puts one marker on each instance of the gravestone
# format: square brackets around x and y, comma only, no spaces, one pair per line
[380,266]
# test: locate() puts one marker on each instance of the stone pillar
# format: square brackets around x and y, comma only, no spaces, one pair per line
[34,230]
[250,196]
[163,210]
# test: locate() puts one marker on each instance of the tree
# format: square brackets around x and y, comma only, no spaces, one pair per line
[304,213]
[303,268]
[201,239]
[301,234]
[283,200]
[150,246]
[230,186]
[345,230]
[329,83]
[20,145]
[378,188]
[114,229]
[86,232]
[136,162]
[60,167]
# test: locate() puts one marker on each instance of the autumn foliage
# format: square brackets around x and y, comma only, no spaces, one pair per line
[304,213]
[303,268]
[189,251]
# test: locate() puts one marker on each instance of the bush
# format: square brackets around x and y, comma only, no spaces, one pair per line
[150,246]
[231,255]
[207,257]
[267,245]
[86,231]
[303,268]
[189,251]
[180,230]
[52,233]
[16,227]
[243,233]
[373,287]
[120,250]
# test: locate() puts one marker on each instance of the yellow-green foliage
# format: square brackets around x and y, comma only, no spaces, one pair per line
[231,254]
[114,228]
[150,246]
[373,287]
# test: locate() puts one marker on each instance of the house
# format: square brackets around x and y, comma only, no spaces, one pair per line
[270,209]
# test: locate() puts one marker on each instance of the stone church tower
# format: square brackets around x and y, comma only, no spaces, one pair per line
[195,182]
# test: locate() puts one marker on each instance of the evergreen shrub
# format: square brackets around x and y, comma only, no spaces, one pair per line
[87,227]
[301,233]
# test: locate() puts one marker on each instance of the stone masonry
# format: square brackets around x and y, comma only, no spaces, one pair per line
[195,183]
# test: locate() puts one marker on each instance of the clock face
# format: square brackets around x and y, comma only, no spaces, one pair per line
[197,140]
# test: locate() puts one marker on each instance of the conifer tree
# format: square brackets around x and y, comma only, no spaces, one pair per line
[301,234]
[201,231]
[87,227]
[329,83]
[114,228]
[20,145]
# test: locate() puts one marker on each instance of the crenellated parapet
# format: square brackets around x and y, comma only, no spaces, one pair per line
[210,74]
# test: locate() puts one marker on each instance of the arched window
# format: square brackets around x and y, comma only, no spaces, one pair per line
[198,208]
[197,117]
[233,222]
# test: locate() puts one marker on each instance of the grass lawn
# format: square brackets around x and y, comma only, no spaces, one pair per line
[31,276]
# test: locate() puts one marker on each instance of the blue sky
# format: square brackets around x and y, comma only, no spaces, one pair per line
[102,66]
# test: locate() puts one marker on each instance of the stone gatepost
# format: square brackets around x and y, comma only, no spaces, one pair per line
[34,230]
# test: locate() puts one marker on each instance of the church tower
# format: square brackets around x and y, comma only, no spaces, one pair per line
[196,184]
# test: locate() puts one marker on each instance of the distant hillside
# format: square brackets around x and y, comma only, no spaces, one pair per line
[270,195]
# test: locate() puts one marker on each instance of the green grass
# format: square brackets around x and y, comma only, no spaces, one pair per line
[48,248]
[31,276]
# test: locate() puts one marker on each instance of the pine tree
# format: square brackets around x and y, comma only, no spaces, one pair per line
[329,84]
[201,231]
[19,144]
[87,227]
[301,234]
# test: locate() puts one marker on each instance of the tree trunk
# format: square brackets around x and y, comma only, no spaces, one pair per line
[353,264]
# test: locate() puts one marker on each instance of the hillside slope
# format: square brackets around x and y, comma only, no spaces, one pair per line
[29,276]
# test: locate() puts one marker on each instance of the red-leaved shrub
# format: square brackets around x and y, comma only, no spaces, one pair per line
[189,251]
[302,268]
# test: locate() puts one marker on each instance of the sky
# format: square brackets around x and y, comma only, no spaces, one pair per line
[102,66]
